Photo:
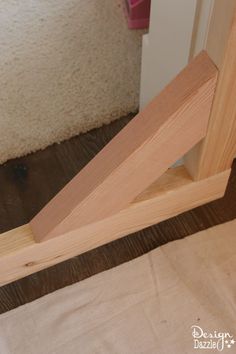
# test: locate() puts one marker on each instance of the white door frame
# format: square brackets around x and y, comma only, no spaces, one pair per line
[178,30]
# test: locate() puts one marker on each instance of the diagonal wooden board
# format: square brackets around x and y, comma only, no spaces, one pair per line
[165,130]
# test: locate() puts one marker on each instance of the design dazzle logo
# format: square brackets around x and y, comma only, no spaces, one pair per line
[215,340]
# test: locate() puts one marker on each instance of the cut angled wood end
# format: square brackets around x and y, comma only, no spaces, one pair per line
[164,131]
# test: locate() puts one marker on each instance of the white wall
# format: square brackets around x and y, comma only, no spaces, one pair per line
[178,31]
[168,45]
[201,26]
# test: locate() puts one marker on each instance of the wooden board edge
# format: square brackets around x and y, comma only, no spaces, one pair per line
[217,150]
[140,153]
[174,193]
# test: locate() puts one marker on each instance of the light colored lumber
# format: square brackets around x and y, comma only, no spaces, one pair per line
[216,153]
[173,193]
[166,129]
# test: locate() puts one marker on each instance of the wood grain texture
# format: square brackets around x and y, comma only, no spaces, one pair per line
[170,125]
[174,193]
[216,153]
[29,182]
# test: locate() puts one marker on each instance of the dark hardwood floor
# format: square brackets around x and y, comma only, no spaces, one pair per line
[28,183]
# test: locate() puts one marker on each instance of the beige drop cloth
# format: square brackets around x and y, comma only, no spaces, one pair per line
[145,306]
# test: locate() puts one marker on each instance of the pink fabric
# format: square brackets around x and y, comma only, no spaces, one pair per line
[138,13]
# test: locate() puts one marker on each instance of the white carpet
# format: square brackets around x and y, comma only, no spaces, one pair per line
[66,66]
[145,306]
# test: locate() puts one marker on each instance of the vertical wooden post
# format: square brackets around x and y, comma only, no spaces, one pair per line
[217,151]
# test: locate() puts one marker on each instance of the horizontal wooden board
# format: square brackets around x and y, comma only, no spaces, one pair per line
[173,193]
